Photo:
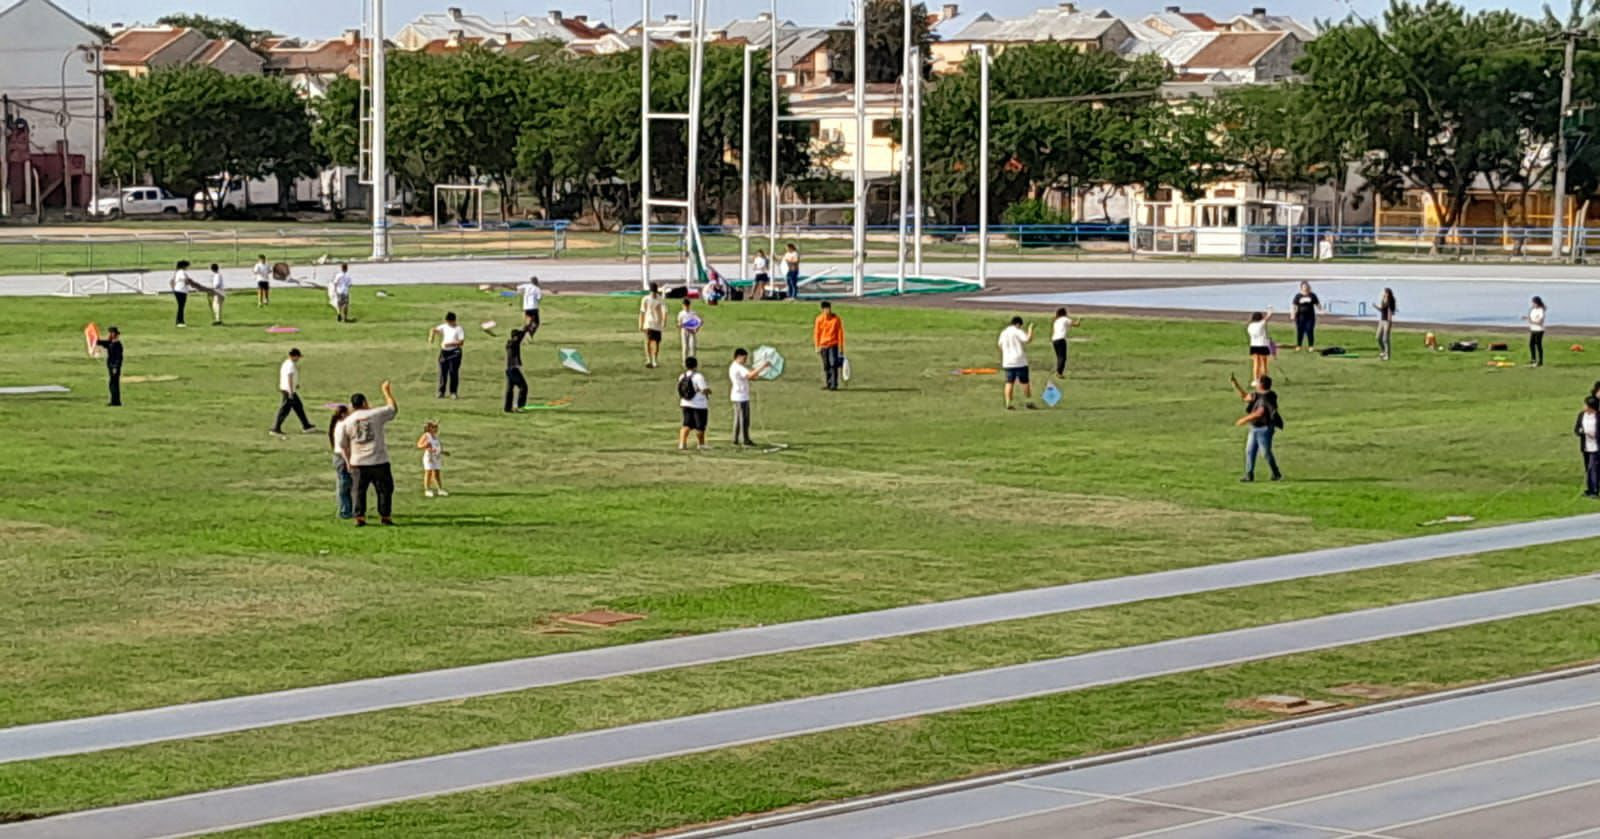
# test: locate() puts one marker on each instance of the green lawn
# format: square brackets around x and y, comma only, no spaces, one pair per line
[172,551]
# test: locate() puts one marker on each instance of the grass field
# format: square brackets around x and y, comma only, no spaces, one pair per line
[172,550]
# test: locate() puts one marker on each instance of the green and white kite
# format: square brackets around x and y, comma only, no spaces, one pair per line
[572,360]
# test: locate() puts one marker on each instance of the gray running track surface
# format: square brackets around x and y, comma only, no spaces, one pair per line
[1523,761]
[370,786]
[132,728]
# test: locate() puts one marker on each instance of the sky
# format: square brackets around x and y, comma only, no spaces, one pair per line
[319,18]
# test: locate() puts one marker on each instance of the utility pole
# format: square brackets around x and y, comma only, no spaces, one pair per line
[1558,224]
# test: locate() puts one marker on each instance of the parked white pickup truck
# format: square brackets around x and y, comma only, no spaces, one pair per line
[141,201]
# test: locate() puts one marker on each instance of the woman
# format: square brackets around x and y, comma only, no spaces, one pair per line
[1260,344]
[1535,319]
[339,466]
[1058,339]
[1306,306]
[759,268]
[181,284]
[791,267]
[1386,310]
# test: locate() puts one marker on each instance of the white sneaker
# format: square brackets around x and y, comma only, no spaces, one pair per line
[443,494]
[705,448]
[428,493]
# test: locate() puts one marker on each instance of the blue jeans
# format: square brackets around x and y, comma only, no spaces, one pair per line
[346,508]
[1260,440]
[792,280]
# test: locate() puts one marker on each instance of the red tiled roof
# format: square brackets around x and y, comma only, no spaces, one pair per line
[443,46]
[214,48]
[583,30]
[136,46]
[1201,19]
[335,55]
[1234,49]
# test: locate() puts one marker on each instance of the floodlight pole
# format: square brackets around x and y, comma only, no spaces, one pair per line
[644,147]
[379,156]
[916,148]
[859,266]
[744,167]
[983,167]
[905,147]
[1559,223]
[772,162]
[691,216]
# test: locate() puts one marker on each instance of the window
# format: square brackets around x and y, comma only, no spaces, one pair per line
[880,128]
[1212,215]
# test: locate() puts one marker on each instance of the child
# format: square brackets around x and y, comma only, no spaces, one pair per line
[1058,339]
[693,398]
[217,293]
[763,280]
[112,344]
[689,323]
[263,275]
[432,454]
[1260,344]
[652,319]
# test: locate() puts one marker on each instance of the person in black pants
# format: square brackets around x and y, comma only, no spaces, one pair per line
[515,383]
[451,336]
[1588,430]
[1306,306]
[361,439]
[289,391]
[181,283]
[112,344]
[1535,319]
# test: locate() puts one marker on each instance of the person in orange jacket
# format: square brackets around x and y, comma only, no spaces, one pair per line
[827,334]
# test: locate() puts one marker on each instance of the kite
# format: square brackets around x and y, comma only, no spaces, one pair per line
[1051,395]
[692,323]
[773,360]
[283,330]
[572,360]
[91,338]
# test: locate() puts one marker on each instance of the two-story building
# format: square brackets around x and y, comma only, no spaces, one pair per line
[50,124]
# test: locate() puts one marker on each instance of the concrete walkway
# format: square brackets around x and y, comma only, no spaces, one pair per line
[133,728]
[1517,761]
[372,786]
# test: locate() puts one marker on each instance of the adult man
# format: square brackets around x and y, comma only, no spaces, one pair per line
[1588,430]
[112,344]
[289,390]
[339,293]
[361,439]
[451,336]
[694,398]
[263,274]
[514,379]
[532,293]
[739,377]
[1014,361]
[1261,415]
[689,323]
[181,284]
[827,335]
[652,319]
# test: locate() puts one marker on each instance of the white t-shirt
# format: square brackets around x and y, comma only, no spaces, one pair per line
[289,376]
[1536,319]
[341,284]
[180,281]
[700,388]
[685,315]
[531,294]
[738,382]
[759,266]
[1257,330]
[451,336]
[791,259]
[262,271]
[1013,347]
[1059,327]
[1591,427]
[364,431]
[216,281]
[654,310]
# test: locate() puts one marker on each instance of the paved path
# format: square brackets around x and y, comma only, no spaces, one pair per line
[240,713]
[533,760]
[516,270]
[1522,761]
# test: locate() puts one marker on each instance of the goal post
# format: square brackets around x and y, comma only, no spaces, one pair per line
[443,211]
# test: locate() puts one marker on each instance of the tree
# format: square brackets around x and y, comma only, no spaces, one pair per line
[885,31]
[218,27]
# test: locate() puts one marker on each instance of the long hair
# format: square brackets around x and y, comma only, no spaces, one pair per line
[1538,302]
[339,414]
[1388,297]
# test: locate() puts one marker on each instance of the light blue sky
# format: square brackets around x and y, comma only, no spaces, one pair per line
[320,18]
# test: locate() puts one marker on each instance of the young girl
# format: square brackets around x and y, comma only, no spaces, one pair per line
[1058,339]
[432,454]
[1535,319]
[1386,310]
[1260,344]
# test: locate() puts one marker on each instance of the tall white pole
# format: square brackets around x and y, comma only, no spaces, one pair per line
[644,147]
[859,264]
[99,118]
[380,152]
[1558,224]
[983,168]
[905,147]
[744,167]
[773,187]
[691,216]
[916,156]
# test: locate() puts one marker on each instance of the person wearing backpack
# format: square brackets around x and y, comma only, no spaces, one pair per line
[694,398]
[1263,419]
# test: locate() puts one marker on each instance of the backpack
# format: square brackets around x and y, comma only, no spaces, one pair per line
[686,390]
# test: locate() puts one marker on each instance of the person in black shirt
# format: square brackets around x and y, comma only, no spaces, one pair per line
[1306,306]
[1262,417]
[112,344]
[514,379]
[1386,310]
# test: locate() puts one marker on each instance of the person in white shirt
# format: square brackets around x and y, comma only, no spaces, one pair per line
[761,269]
[289,390]
[263,274]
[361,440]
[1058,339]
[181,285]
[339,293]
[1535,319]
[432,460]
[739,377]
[1014,361]
[451,336]
[1588,430]
[689,324]
[791,270]
[694,398]
[1260,344]
[217,292]
[532,293]
[652,320]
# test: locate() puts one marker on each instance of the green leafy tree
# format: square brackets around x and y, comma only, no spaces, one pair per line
[218,27]
[885,31]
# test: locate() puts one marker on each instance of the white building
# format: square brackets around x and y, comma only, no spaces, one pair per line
[47,59]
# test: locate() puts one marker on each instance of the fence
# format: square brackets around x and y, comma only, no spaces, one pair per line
[941,242]
[1489,244]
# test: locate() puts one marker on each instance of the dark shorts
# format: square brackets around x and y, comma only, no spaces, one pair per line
[1261,351]
[653,334]
[532,314]
[1016,374]
[263,285]
[694,419]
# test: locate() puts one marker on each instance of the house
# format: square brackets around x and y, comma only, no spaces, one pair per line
[1088,30]
[1173,20]
[46,62]
[138,50]
[1218,58]
[454,23]
[1259,21]
[312,66]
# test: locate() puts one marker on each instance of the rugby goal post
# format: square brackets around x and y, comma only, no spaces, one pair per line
[105,281]
[442,211]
